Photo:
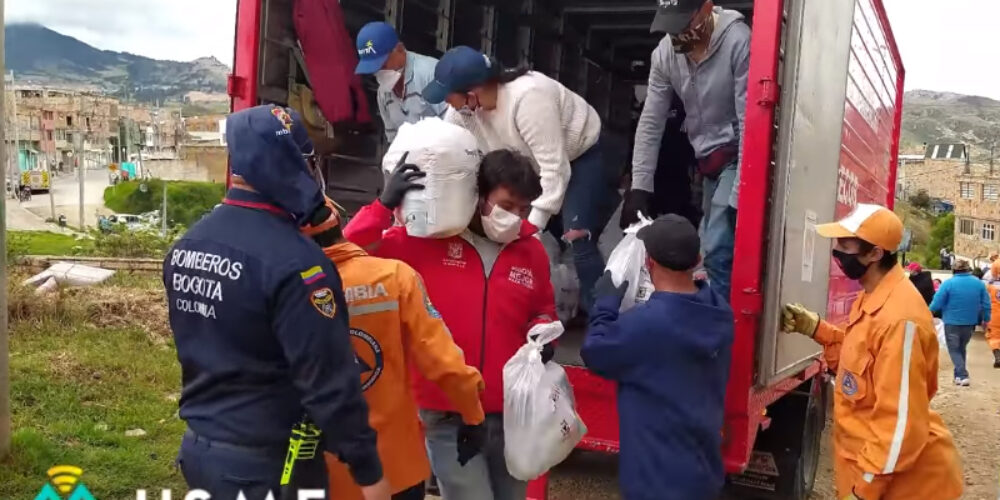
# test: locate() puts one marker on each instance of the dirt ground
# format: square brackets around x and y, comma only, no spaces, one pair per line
[971,413]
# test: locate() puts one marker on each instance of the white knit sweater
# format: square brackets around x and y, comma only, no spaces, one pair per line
[540,118]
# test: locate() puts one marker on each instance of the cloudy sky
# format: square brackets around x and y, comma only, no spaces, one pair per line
[163,29]
[949,48]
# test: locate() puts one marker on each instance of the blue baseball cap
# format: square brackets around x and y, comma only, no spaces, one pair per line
[459,69]
[375,42]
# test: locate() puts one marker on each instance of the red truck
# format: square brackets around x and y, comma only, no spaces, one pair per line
[824,104]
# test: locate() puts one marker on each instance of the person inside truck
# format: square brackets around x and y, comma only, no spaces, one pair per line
[888,442]
[401,76]
[670,440]
[557,129]
[261,327]
[491,285]
[704,59]
[395,327]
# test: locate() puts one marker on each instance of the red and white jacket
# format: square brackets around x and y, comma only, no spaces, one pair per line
[488,315]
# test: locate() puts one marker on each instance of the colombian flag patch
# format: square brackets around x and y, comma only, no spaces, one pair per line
[312,275]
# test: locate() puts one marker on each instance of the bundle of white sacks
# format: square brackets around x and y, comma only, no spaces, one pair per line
[450,157]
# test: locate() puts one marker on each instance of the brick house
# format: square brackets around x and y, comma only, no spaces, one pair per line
[935,173]
[977,213]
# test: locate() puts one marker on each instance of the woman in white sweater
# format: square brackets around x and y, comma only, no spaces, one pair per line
[537,116]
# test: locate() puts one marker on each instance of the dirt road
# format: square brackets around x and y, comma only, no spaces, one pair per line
[971,413]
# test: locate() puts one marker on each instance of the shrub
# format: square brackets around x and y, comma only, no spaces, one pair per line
[921,200]
[187,201]
[122,242]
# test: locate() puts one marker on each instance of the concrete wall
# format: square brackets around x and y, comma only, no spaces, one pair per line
[937,177]
[207,164]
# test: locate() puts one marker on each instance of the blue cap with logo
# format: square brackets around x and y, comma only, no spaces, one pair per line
[375,42]
[459,69]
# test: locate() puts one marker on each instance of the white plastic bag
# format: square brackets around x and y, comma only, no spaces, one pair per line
[450,157]
[540,423]
[567,288]
[627,262]
[939,330]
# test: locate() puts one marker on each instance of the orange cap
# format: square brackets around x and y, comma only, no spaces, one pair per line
[872,223]
[332,221]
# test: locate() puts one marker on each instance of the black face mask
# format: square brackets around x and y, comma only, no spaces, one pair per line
[850,265]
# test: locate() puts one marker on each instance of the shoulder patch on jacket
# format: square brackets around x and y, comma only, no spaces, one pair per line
[427,301]
[322,300]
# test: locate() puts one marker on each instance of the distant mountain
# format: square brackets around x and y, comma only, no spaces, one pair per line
[944,117]
[39,55]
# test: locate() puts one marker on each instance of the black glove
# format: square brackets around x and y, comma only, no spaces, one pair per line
[636,200]
[605,287]
[401,182]
[548,352]
[471,439]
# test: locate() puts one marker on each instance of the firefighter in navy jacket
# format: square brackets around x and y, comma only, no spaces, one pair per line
[261,326]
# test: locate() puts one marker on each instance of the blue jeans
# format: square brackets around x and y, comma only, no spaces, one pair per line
[591,199]
[958,338]
[718,228]
[485,477]
[225,469]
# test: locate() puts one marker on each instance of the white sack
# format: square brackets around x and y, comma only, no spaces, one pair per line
[939,330]
[67,274]
[540,423]
[628,263]
[450,157]
[49,286]
[567,288]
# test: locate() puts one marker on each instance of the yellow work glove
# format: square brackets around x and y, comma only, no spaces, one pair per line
[796,318]
[851,496]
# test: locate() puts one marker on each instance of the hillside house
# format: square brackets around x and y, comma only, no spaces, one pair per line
[977,213]
[936,172]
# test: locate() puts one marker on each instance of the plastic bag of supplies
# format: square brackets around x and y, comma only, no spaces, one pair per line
[628,262]
[567,288]
[939,331]
[540,423]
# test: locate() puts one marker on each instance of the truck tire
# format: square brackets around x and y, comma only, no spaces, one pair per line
[786,456]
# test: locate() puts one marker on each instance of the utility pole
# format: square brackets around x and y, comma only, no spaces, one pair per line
[17,130]
[78,138]
[4,348]
[50,159]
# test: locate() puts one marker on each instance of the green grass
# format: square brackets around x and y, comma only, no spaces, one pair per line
[46,243]
[76,389]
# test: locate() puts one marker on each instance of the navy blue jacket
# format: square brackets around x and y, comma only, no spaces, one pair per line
[962,301]
[670,357]
[261,329]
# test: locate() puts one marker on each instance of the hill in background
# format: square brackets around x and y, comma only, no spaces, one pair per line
[944,117]
[42,56]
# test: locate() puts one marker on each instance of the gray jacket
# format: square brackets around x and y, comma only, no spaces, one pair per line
[713,92]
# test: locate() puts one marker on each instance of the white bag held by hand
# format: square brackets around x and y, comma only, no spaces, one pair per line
[567,288]
[939,331]
[627,262]
[450,157]
[540,423]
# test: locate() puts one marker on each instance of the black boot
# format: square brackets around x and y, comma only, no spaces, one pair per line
[996,358]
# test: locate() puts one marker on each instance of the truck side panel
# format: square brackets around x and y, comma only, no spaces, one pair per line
[870,139]
[804,177]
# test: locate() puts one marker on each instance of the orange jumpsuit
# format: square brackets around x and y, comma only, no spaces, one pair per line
[888,443]
[993,332]
[396,332]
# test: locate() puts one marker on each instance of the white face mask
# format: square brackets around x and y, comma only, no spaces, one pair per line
[387,78]
[501,226]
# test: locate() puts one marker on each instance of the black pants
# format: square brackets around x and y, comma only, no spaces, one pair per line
[225,469]
[414,493]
